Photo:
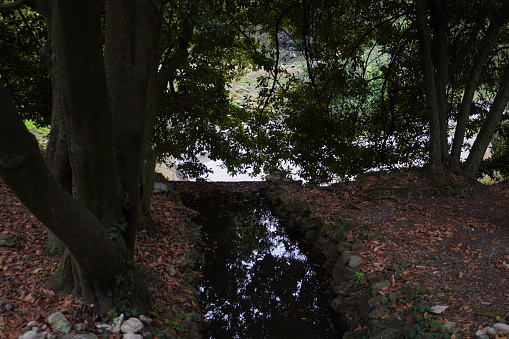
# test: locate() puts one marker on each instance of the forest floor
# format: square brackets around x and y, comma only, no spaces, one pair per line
[25,268]
[437,232]
[439,239]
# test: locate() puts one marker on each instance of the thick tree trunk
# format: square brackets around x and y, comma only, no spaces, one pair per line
[131,31]
[58,162]
[111,93]
[430,86]
[57,154]
[79,53]
[23,168]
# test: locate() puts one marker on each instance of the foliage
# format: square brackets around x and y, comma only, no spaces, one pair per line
[361,104]
[496,167]
[40,132]
[22,35]
[198,117]
[359,278]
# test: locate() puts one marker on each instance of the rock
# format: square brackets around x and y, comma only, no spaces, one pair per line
[393,268]
[159,187]
[501,327]
[31,335]
[171,270]
[9,240]
[379,286]
[451,325]
[60,321]
[390,333]
[132,336]
[437,309]
[379,312]
[131,325]
[354,261]
[80,336]
[9,307]
[32,323]
[117,322]
[80,327]
[103,326]
[355,335]
[492,330]
[146,320]
[481,334]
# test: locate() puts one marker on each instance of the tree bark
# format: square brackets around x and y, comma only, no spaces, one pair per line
[57,154]
[440,60]
[435,151]
[23,168]
[488,128]
[132,31]
[470,89]
[89,122]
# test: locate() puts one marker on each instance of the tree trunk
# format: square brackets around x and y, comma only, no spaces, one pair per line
[57,154]
[468,96]
[440,61]
[23,168]
[435,151]
[132,30]
[488,128]
[111,91]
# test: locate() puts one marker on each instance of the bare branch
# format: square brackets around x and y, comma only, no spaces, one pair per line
[13,5]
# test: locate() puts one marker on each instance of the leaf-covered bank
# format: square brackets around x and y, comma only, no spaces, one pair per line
[166,255]
[400,244]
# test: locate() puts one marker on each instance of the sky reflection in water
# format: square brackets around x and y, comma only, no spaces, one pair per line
[257,282]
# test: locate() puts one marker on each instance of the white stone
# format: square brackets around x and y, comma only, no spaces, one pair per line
[132,336]
[501,327]
[131,325]
[60,321]
[103,326]
[145,319]
[492,330]
[32,323]
[437,309]
[84,336]
[117,322]
[354,261]
[481,334]
[31,335]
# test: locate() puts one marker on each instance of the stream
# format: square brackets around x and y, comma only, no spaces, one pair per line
[257,281]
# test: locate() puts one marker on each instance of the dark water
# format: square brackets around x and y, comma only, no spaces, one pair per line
[257,282]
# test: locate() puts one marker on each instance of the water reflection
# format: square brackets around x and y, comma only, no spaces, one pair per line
[257,283]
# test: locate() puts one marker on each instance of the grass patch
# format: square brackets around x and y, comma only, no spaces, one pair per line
[41,133]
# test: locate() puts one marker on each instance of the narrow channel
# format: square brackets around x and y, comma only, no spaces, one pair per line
[257,283]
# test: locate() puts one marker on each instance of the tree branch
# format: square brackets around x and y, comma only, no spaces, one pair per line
[23,169]
[13,5]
